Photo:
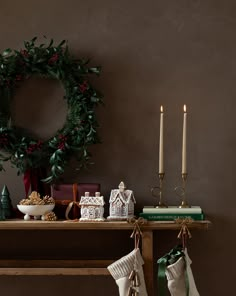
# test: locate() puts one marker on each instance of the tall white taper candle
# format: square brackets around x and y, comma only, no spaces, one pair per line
[184,147]
[161,143]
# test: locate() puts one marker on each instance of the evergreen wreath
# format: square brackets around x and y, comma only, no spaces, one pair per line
[80,128]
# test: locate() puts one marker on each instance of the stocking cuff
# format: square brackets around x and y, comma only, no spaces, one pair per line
[125,265]
[176,269]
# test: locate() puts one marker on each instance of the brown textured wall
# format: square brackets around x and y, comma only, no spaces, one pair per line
[152,52]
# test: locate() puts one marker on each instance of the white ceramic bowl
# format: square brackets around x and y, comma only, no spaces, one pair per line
[35,210]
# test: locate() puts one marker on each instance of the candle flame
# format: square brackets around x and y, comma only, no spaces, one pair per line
[161,109]
[185,108]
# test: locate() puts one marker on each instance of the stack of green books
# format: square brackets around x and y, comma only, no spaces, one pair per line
[172,213]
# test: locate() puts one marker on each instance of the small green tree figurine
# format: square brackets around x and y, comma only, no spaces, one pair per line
[6,204]
[2,216]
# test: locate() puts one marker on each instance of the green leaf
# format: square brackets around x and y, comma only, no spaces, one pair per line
[53,158]
[51,43]
[6,52]
[48,179]
[33,39]
[94,99]
[95,70]
[53,169]
[60,169]
[59,151]
[27,45]
[61,43]
[41,60]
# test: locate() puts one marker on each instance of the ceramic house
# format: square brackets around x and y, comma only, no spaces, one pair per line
[121,203]
[92,207]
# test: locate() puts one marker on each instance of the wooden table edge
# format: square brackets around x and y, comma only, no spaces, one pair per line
[106,225]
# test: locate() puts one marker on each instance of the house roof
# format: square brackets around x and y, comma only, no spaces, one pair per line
[125,196]
[91,201]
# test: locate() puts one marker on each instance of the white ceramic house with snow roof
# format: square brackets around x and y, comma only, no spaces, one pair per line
[121,203]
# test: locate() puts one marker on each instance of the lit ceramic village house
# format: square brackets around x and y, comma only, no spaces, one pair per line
[121,203]
[92,207]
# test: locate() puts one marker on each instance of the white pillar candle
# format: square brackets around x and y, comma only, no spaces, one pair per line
[184,146]
[161,143]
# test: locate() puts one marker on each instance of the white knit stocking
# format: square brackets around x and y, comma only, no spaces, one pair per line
[192,286]
[175,274]
[121,269]
[176,277]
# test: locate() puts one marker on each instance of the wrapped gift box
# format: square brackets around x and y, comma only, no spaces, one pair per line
[66,193]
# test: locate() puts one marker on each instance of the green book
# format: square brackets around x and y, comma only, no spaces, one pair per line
[170,217]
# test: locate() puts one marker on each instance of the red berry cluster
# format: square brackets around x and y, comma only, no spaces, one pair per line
[18,77]
[83,87]
[33,147]
[53,59]
[24,53]
[62,142]
[3,140]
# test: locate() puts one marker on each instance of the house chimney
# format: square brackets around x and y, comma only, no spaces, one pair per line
[122,186]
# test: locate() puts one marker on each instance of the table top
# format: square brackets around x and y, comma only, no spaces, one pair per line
[106,225]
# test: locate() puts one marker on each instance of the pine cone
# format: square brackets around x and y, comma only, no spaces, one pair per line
[50,217]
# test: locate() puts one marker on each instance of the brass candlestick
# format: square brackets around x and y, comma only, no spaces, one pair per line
[181,192]
[160,191]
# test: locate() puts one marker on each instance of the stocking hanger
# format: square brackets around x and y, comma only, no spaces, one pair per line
[184,232]
[137,233]
[134,276]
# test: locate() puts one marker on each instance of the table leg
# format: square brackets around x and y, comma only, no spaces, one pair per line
[147,253]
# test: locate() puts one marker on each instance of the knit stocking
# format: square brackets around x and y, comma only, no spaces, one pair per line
[192,286]
[176,276]
[121,271]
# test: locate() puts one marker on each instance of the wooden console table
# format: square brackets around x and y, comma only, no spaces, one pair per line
[86,267]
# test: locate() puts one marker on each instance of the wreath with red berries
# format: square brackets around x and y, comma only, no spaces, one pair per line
[80,129]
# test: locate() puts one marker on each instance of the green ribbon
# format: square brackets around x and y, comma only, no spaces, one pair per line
[163,262]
